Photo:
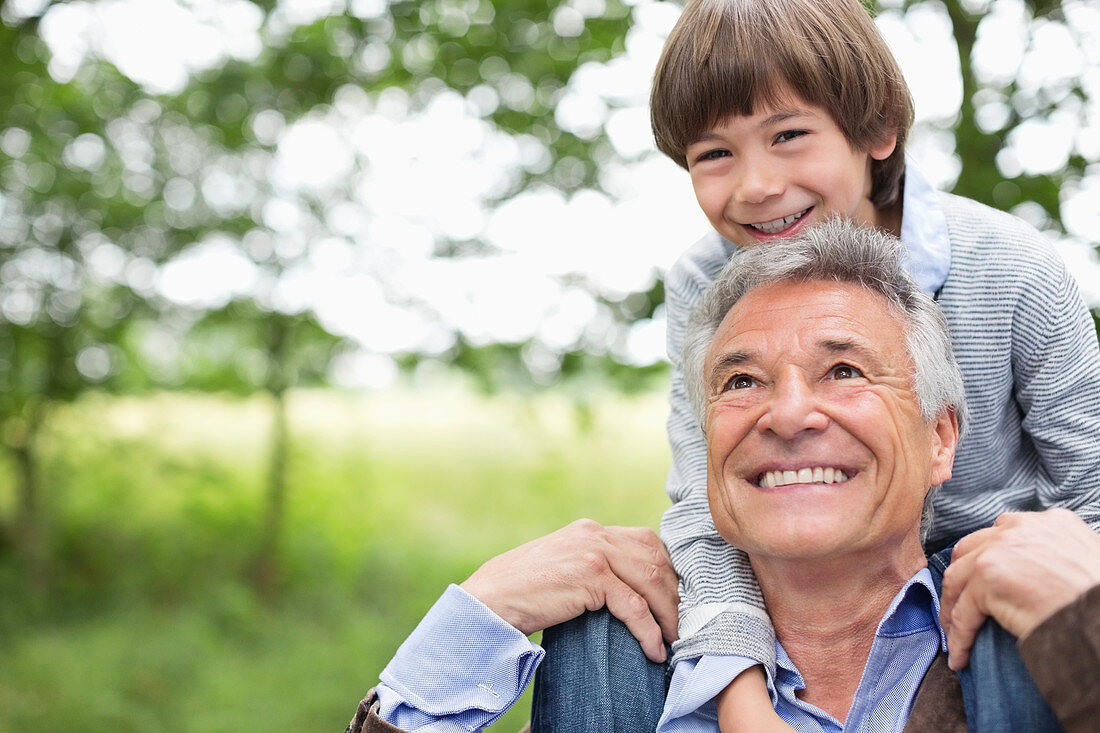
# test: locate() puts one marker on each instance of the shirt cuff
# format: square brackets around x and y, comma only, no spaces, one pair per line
[462,662]
[694,685]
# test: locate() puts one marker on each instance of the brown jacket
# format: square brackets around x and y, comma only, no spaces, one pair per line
[1062,654]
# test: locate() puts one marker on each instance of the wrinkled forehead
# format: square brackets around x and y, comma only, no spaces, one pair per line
[819,315]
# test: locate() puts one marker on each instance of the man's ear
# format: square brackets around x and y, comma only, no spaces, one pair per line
[945,437]
[883,150]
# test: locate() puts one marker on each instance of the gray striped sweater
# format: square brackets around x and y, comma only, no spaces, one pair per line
[1028,351]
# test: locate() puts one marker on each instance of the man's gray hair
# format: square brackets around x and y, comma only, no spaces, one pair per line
[838,251]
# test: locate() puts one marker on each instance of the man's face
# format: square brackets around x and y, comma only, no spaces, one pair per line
[816,446]
[771,174]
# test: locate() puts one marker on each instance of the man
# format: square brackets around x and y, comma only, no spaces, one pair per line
[831,405]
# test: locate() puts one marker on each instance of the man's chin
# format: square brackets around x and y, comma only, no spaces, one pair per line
[803,544]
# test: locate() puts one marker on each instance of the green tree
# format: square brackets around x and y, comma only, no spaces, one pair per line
[103,182]
[243,348]
[980,141]
[64,205]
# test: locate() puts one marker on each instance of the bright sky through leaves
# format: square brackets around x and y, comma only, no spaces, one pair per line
[424,176]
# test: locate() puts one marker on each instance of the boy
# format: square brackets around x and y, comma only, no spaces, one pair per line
[787,112]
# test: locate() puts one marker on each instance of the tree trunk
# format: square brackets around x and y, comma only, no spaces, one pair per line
[266,575]
[266,570]
[28,529]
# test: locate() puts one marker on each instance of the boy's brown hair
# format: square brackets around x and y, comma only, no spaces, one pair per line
[727,57]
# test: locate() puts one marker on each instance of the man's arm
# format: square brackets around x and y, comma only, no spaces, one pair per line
[472,643]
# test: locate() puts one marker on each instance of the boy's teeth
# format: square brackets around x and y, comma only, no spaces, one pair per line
[815,475]
[777,225]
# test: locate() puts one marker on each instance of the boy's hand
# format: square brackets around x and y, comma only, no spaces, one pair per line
[585,566]
[1019,571]
[745,706]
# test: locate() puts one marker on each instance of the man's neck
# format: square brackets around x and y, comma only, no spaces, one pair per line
[826,614]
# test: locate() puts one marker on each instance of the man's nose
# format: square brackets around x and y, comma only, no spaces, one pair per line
[792,408]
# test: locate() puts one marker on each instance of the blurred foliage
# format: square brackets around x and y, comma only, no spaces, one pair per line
[152,627]
[978,147]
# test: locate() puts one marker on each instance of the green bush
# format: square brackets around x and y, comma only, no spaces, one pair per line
[148,620]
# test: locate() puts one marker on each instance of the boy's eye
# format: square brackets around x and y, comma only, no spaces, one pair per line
[845,371]
[713,154]
[788,135]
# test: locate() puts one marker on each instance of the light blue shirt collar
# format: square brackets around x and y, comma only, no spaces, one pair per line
[907,640]
[924,231]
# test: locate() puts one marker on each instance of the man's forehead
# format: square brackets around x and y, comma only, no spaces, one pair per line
[823,315]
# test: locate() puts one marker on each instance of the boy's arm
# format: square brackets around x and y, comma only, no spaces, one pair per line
[745,706]
[1027,347]
[1056,364]
[721,608]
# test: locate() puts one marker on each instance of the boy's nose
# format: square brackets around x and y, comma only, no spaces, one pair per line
[792,409]
[757,183]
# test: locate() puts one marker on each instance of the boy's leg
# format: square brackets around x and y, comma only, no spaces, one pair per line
[998,692]
[595,679]
[997,689]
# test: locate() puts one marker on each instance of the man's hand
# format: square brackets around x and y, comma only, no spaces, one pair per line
[585,566]
[1019,571]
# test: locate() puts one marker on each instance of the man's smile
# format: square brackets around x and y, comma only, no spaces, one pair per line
[809,475]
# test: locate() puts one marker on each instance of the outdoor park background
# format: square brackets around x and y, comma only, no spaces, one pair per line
[309,307]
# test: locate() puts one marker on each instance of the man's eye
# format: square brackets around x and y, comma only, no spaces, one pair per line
[845,371]
[740,381]
[788,135]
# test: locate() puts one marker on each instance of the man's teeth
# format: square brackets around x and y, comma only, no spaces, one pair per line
[815,475]
[777,225]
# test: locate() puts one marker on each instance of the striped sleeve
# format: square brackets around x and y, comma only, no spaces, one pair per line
[1027,347]
[721,608]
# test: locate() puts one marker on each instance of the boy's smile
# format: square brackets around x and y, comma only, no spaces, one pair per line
[771,174]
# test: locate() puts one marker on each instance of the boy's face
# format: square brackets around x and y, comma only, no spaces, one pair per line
[775,172]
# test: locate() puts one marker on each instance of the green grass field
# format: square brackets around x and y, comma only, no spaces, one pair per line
[154,505]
